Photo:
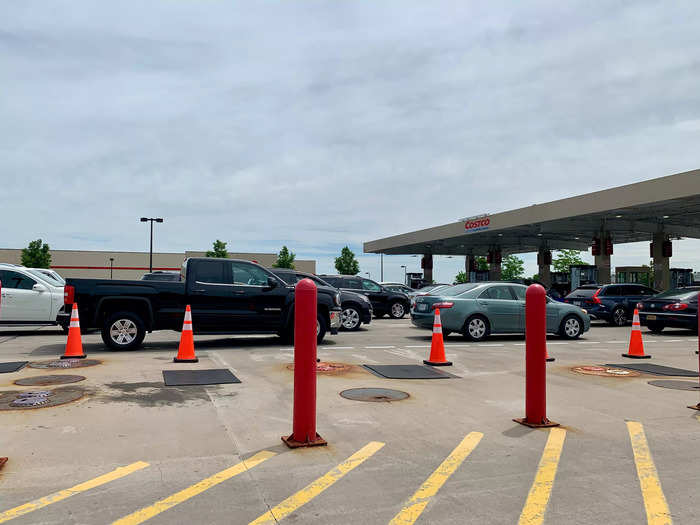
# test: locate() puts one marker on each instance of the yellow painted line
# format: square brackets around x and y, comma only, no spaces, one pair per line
[537,499]
[313,489]
[67,493]
[416,505]
[147,513]
[654,499]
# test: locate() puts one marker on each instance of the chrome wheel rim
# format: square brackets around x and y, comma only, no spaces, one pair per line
[318,328]
[397,310]
[350,318]
[572,327]
[477,328]
[123,331]
[620,317]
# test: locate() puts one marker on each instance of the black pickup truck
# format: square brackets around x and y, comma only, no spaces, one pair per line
[227,296]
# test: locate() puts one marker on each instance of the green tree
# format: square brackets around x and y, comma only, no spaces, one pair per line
[513,267]
[481,263]
[565,258]
[285,259]
[346,264]
[219,250]
[461,277]
[36,255]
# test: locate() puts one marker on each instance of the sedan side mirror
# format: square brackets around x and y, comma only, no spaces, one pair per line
[39,288]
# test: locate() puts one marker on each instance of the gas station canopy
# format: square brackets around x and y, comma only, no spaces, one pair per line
[630,213]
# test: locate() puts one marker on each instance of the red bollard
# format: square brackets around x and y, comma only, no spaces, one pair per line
[535,363]
[697,407]
[304,424]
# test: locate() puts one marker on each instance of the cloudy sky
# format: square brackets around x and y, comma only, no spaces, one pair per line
[323,123]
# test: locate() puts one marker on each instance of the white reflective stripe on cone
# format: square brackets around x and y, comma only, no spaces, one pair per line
[74,323]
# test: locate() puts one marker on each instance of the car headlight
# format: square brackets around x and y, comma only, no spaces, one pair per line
[365,298]
[584,310]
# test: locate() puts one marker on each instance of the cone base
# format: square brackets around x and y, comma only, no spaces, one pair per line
[435,363]
[176,360]
[549,359]
[547,423]
[634,356]
[291,443]
[695,407]
[74,356]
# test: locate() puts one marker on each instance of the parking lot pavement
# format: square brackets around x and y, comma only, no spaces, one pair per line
[132,450]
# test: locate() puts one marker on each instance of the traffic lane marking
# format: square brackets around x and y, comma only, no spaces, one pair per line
[538,497]
[416,505]
[313,489]
[147,513]
[654,500]
[31,506]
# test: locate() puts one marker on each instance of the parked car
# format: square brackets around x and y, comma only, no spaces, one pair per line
[398,287]
[227,296]
[477,310]
[28,297]
[384,301]
[676,308]
[52,276]
[356,307]
[614,303]
[161,275]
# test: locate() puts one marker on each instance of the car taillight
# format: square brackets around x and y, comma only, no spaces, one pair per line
[676,306]
[444,304]
[68,294]
[639,306]
[595,299]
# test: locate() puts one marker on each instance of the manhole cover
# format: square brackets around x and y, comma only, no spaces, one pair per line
[14,400]
[675,385]
[64,363]
[326,367]
[49,380]
[376,395]
[604,371]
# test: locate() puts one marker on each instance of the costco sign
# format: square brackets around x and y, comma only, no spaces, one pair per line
[476,224]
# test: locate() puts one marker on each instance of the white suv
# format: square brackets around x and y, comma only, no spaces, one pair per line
[28,296]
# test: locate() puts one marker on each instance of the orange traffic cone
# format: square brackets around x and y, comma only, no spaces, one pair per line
[546,354]
[636,348]
[185,353]
[74,345]
[437,346]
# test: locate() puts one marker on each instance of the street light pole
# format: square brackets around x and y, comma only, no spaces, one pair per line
[404,274]
[111,267]
[381,267]
[150,252]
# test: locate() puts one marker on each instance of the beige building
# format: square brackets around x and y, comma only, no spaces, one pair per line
[132,265]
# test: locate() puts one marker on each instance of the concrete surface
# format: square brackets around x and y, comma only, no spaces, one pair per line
[187,434]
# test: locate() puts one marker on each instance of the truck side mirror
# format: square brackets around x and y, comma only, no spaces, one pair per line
[271,282]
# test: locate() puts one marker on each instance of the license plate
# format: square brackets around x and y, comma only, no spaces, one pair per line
[651,318]
[422,307]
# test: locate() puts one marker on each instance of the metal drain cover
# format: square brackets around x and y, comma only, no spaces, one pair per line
[65,363]
[326,367]
[675,385]
[604,371]
[377,395]
[17,400]
[49,380]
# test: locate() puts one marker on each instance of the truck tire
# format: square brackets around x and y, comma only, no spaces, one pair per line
[123,331]
[350,317]
[287,334]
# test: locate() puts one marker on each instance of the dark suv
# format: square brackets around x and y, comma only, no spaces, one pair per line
[613,303]
[357,308]
[384,301]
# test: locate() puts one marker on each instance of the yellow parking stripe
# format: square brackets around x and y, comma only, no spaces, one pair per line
[654,499]
[537,499]
[416,505]
[313,489]
[147,513]
[67,493]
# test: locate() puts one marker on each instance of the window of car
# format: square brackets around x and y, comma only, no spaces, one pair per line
[502,293]
[289,278]
[610,291]
[333,281]
[453,290]
[370,286]
[248,275]
[643,290]
[519,292]
[211,272]
[352,282]
[16,280]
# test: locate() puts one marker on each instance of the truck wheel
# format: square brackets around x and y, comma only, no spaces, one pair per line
[123,331]
[350,318]
[321,328]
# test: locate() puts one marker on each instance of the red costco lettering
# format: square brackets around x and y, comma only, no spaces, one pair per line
[478,223]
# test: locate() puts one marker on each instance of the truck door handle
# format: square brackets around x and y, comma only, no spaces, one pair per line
[199,290]
[239,292]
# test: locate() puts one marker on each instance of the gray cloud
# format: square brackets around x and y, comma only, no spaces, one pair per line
[323,123]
